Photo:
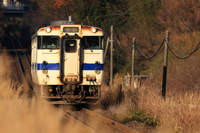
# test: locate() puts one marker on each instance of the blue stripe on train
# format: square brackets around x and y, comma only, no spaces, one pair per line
[92,66]
[49,66]
[53,66]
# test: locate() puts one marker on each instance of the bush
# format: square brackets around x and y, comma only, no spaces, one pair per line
[137,115]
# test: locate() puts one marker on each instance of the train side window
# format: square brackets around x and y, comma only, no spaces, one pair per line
[91,42]
[39,42]
[70,46]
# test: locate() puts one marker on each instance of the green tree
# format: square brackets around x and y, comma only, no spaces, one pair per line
[142,13]
[142,16]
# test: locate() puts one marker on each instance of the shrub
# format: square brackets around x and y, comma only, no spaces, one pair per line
[134,114]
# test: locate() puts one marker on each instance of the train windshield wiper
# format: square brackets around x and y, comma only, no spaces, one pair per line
[88,45]
[57,46]
[52,49]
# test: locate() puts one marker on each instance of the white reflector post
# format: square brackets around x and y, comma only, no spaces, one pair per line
[70,18]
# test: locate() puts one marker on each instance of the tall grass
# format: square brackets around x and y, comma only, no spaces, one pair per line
[22,114]
[176,113]
[180,110]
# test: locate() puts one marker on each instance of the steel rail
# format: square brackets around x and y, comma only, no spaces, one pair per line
[109,122]
[18,59]
[24,53]
[83,127]
[20,65]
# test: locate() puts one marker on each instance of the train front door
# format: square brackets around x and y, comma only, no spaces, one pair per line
[70,61]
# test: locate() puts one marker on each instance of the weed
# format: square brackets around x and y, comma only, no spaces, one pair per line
[134,114]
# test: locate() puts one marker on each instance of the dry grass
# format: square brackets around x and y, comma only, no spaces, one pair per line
[177,113]
[183,74]
[179,15]
[21,114]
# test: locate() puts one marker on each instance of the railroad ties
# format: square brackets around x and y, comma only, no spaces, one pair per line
[109,122]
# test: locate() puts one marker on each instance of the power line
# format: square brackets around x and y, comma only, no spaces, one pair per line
[118,42]
[143,55]
[196,49]
[128,46]
[146,57]
[177,48]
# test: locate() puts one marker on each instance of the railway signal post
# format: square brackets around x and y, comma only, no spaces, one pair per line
[165,65]
[111,57]
[106,48]
[133,64]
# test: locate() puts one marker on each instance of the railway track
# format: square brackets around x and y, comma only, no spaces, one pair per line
[99,123]
[24,65]
[109,122]
[83,128]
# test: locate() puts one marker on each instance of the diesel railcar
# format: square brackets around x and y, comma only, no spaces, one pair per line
[67,61]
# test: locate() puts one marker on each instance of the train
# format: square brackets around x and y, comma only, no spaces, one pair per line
[67,61]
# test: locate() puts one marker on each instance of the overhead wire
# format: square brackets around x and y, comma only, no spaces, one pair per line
[177,48]
[116,40]
[196,49]
[159,49]
[146,57]
[143,55]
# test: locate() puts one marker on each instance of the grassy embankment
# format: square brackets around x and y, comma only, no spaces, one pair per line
[179,112]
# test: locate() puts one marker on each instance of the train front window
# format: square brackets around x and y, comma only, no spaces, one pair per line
[70,46]
[48,42]
[93,42]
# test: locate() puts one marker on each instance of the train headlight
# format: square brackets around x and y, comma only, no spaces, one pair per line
[45,62]
[97,71]
[97,63]
[48,29]
[94,30]
[44,70]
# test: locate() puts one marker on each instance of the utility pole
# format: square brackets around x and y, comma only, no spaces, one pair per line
[111,57]
[133,65]
[165,65]
[106,48]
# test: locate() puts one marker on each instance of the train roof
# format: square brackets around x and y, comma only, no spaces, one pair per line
[84,30]
[57,28]
[61,22]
